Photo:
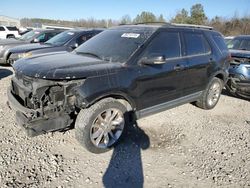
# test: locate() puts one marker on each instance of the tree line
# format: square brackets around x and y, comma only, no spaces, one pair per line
[196,15]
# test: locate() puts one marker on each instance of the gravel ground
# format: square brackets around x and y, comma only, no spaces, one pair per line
[182,147]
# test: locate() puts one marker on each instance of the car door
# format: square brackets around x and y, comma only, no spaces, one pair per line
[199,58]
[160,83]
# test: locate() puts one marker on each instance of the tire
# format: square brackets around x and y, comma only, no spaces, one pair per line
[10,36]
[97,120]
[210,95]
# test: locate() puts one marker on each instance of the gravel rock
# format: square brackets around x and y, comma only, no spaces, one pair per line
[182,147]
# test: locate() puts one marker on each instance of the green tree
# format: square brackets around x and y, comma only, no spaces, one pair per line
[145,17]
[161,18]
[125,20]
[198,15]
[181,17]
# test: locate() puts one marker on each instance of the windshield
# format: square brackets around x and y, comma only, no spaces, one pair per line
[61,38]
[29,35]
[114,45]
[240,44]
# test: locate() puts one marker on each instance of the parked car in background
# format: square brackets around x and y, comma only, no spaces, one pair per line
[239,72]
[65,41]
[35,36]
[123,73]
[228,41]
[8,32]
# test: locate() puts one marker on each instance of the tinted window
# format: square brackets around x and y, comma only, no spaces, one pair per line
[50,35]
[81,39]
[12,28]
[220,42]
[196,44]
[41,38]
[165,43]
[2,29]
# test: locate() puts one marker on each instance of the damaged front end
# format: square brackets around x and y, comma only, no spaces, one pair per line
[239,77]
[43,105]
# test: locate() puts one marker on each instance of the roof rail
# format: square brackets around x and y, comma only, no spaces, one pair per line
[192,25]
[145,23]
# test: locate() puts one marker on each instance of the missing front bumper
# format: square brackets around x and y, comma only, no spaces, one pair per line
[37,126]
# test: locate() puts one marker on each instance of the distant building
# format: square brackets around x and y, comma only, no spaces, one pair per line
[55,27]
[8,21]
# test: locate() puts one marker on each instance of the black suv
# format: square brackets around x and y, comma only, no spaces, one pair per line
[124,73]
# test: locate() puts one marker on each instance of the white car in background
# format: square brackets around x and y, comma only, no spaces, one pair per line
[8,32]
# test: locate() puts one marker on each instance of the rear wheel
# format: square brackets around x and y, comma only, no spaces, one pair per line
[101,125]
[211,95]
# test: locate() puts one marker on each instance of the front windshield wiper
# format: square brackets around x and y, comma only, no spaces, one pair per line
[89,54]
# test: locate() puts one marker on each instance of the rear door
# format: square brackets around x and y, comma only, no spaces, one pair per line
[199,57]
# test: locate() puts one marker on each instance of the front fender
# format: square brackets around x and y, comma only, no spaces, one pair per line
[99,87]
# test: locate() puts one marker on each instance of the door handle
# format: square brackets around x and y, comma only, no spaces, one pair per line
[179,67]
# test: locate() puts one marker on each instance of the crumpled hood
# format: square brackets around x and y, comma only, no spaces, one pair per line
[240,53]
[29,47]
[64,66]
[11,42]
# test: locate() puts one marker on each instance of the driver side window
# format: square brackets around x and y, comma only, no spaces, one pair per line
[41,38]
[165,44]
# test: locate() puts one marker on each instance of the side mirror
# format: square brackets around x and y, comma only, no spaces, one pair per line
[36,40]
[154,60]
[74,46]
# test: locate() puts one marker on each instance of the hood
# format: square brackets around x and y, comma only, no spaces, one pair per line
[11,42]
[29,47]
[64,66]
[240,53]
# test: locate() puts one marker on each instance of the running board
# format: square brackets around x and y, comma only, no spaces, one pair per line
[168,105]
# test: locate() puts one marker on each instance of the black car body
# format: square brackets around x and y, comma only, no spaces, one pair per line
[65,41]
[146,68]
[34,36]
[239,72]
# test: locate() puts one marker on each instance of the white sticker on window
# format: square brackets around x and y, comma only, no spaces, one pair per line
[130,35]
[37,32]
[70,33]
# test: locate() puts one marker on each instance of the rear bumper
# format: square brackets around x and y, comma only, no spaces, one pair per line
[33,125]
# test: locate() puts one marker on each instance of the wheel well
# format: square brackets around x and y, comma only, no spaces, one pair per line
[220,76]
[120,98]
[10,35]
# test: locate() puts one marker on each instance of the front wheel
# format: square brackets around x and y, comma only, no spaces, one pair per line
[101,125]
[211,95]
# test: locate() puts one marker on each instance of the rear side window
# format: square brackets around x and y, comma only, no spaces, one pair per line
[220,42]
[165,43]
[2,29]
[12,28]
[196,44]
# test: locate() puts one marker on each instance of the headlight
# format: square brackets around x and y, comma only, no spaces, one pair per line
[1,48]
[23,55]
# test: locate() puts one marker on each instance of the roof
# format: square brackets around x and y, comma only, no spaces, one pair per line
[157,25]
[243,36]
